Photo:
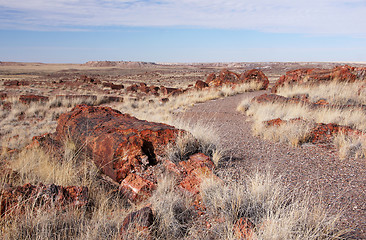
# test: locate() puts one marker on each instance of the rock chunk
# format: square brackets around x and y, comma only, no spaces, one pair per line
[316,75]
[40,196]
[226,77]
[201,85]
[118,143]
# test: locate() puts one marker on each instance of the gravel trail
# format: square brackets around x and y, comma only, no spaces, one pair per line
[341,183]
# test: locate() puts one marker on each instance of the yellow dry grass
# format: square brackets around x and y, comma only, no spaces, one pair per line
[344,109]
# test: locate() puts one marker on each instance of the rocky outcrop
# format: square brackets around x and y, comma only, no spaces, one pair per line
[316,75]
[226,77]
[118,143]
[16,199]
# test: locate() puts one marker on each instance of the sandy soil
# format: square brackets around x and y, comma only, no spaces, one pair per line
[341,183]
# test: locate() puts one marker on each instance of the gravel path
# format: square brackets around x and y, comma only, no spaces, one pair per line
[342,183]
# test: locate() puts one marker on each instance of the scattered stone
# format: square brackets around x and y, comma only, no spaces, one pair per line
[227,77]
[316,75]
[42,196]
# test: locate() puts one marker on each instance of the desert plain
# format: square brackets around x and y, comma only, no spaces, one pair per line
[139,150]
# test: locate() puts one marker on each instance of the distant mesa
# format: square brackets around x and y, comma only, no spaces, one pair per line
[124,64]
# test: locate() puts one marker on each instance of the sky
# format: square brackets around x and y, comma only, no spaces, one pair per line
[76,31]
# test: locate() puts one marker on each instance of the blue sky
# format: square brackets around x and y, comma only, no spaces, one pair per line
[76,31]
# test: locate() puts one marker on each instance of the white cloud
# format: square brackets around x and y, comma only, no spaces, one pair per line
[345,17]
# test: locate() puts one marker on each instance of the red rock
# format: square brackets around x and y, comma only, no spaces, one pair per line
[275,122]
[193,180]
[27,99]
[11,83]
[132,88]
[118,143]
[227,77]
[197,168]
[143,85]
[144,88]
[255,75]
[136,188]
[167,90]
[113,86]
[3,96]
[197,160]
[324,133]
[211,77]
[244,229]
[171,167]
[314,76]
[274,98]
[87,79]
[200,85]
[164,100]
[137,224]
[44,196]
[16,83]
[322,102]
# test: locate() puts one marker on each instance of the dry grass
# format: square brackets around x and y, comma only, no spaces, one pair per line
[200,137]
[262,199]
[336,93]
[19,124]
[350,146]
[276,213]
[102,219]
[162,112]
[293,133]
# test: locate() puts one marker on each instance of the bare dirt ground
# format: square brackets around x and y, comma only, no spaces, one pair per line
[341,183]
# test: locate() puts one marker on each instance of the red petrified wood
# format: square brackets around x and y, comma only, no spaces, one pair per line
[36,196]
[226,77]
[118,143]
[316,75]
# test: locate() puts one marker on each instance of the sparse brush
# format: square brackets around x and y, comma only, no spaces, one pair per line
[102,219]
[174,213]
[337,93]
[199,138]
[293,133]
[157,111]
[350,146]
[276,213]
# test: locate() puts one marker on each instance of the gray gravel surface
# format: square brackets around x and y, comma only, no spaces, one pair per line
[341,183]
